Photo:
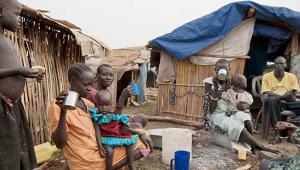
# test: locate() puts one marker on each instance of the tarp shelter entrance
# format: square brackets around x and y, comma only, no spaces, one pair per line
[187,54]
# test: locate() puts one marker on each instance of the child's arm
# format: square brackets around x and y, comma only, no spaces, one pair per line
[23,71]
[126,93]
[99,141]
[128,129]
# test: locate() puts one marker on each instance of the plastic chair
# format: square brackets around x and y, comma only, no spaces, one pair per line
[256,89]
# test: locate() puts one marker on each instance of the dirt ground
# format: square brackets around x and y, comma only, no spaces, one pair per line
[206,156]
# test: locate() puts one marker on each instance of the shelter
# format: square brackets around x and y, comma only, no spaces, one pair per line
[129,65]
[54,44]
[238,31]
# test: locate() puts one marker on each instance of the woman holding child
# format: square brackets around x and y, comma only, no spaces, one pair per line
[73,130]
[226,106]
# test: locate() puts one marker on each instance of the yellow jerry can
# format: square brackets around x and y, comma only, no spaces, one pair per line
[44,152]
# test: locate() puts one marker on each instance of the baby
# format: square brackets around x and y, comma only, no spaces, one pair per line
[112,130]
[237,94]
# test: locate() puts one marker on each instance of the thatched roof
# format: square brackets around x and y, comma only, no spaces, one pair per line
[125,59]
[89,45]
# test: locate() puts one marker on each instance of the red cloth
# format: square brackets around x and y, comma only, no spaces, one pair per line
[92,95]
[114,129]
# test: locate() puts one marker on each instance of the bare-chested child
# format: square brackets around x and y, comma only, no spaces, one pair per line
[112,129]
[16,146]
[238,94]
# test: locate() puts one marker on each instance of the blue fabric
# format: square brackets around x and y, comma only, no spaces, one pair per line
[111,141]
[272,32]
[100,118]
[207,30]
[142,82]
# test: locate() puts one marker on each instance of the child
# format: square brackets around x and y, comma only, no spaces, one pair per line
[112,129]
[237,94]
[16,145]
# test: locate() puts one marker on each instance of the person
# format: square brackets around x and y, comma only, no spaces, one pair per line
[105,78]
[112,129]
[16,144]
[74,132]
[285,163]
[280,90]
[233,125]
[238,94]
[223,85]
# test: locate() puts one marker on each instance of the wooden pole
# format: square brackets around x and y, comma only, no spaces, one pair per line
[195,124]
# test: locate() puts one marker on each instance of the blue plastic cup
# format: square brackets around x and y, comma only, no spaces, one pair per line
[135,88]
[182,160]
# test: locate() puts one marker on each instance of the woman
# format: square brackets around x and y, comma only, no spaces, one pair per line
[210,84]
[215,109]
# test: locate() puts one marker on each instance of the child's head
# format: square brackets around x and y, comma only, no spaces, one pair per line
[9,14]
[103,101]
[239,81]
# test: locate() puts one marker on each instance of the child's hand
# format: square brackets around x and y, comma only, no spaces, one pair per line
[147,142]
[28,72]
[102,152]
[242,106]
[127,92]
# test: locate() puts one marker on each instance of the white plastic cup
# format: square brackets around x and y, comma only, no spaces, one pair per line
[71,100]
[222,74]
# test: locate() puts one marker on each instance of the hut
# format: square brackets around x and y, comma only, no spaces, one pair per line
[54,44]
[245,33]
[129,65]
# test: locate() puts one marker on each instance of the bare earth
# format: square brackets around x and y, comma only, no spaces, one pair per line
[206,156]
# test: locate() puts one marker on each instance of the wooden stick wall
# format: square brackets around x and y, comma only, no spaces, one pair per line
[39,44]
[189,88]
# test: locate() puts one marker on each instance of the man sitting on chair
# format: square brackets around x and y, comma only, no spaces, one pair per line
[281,90]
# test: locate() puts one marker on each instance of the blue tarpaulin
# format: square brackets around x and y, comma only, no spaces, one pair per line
[207,30]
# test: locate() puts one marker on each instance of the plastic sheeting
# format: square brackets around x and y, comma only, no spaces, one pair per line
[205,31]
[142,83]
[235,44]
[166,69]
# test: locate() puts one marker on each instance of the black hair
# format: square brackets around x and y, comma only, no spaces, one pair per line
[222,61]
[237,78]
[280,57]
[100,68]
[75,70]
[102,93]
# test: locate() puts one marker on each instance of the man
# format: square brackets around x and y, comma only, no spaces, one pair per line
[16,146]
[73,130]
[280,89]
